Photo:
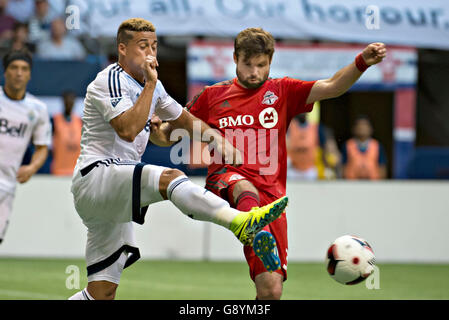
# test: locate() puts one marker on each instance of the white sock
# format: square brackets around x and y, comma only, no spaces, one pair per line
[199,203]
[82,295]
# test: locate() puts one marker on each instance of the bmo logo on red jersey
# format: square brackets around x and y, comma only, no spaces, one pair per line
[268,117]
[240,120]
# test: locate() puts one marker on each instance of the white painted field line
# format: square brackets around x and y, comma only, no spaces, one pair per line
[19,294]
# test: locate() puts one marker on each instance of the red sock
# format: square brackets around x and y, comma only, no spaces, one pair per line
[246,201]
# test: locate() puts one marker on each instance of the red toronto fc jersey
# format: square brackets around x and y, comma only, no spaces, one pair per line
[256,122]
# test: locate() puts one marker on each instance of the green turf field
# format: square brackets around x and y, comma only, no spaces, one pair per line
[46,279]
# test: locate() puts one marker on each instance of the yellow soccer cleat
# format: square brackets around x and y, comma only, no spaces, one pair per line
[247,224]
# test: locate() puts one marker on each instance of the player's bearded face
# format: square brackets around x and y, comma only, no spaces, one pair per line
[252,72]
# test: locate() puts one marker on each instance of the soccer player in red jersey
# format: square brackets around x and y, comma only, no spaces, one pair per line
[254,111]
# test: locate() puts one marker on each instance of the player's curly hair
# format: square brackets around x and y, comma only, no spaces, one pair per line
[254,41]
[133,24]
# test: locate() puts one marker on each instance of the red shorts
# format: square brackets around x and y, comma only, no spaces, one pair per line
[220,184]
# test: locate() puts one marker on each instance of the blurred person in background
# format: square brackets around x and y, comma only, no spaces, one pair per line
[66,137]
[60,46]
[6,23]
[22,118]
[20,39]
[312,150]
[40,22]
[363,156]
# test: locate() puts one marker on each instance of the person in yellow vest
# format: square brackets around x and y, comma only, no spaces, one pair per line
[312,151]
[66,138]
[363,156]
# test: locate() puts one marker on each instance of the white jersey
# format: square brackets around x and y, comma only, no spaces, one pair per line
[21,121]
[111,93]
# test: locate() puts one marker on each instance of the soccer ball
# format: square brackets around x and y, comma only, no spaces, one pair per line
[350,260]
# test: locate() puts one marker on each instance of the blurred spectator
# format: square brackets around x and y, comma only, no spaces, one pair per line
[20,39]
[6,23]
[60,46]
[40,22]
[21,10]
[312,151]
[66,137]
[363,156]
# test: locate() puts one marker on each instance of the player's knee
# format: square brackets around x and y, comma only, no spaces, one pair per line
[276,293]
[269,286]
[270,292]
[102,290]
[167,176]
[106,295]
[110,294]
[243,186]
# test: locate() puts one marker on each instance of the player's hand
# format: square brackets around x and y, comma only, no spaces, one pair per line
[160,132]
[24,173]
[149,69]
[374,53]
[155,123]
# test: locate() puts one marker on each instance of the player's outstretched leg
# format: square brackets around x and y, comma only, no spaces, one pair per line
[201,204]
[264,246]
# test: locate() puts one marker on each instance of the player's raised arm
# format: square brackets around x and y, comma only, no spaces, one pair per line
[131,122]
[347,76]
[186,121]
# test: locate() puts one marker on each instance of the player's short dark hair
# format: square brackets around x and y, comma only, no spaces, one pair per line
[22,54]
[254,41]
[124,32]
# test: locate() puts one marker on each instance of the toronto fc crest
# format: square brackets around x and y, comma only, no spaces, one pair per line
[269,98]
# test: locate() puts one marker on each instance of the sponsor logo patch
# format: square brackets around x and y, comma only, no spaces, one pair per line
[268,117]
[115,101]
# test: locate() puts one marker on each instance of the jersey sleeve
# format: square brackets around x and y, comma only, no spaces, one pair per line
[199,105]
[110,95]
[42,130]
[297,92]
[167,109]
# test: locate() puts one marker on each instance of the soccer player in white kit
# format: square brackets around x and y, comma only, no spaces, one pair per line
[112,188]
[22,118]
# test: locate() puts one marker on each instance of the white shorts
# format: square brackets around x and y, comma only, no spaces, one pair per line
[6,200]
[109,195]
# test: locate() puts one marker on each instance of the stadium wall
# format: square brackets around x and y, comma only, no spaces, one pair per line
[404,221]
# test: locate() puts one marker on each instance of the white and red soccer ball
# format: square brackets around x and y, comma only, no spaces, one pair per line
[350,260]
